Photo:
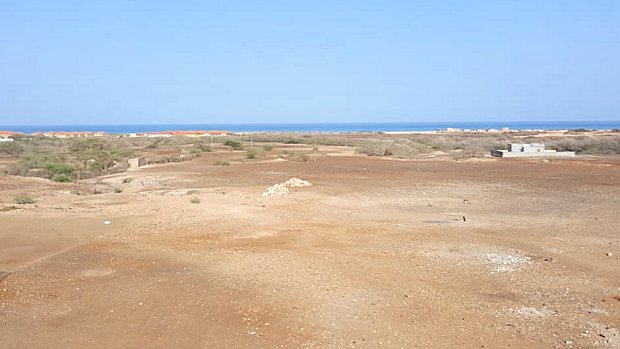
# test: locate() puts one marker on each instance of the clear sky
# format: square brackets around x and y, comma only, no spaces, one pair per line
[254,61]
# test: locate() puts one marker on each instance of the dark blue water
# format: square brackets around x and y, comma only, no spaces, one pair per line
[325,127]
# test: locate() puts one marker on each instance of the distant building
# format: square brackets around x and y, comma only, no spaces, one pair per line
[516,150]
[219,133]
[151,134]
[453,129]
[71,134]
[180,133]
[7,134]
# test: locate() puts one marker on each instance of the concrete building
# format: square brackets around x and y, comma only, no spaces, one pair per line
[134,163]
[520,150]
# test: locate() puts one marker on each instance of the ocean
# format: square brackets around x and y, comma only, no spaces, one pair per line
[323,127]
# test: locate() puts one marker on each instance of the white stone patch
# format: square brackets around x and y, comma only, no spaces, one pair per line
[531,312]
[281,189]
[505,263]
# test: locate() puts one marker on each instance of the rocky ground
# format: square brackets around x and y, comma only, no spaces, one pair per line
[431,253]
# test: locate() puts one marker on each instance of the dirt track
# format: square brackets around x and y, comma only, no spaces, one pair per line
[374,254]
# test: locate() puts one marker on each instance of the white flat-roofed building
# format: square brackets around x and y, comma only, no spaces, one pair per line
[520,150]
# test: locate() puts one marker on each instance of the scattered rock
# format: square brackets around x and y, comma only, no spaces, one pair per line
[107,222]
[531,312]
[276,190]
[505,263]
[609,254]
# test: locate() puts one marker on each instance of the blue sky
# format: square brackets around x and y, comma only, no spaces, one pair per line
[234,61]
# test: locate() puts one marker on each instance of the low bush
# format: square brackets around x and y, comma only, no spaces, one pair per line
[10,148]
[221,163]
[95,167]
[202,147]
[23,200]
[194,200]
[58,168]
[236,145]
[251,153]
[267,147]
[61,178]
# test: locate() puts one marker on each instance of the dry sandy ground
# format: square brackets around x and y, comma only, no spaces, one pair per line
[374,254]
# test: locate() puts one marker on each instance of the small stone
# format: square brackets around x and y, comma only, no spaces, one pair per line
[609,254]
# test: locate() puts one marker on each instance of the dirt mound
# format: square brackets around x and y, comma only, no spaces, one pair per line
[281,189]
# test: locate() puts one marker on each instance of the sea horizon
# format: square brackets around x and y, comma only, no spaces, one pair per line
[336,127]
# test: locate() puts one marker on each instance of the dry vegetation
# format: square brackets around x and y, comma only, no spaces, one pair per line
[408,146]
[65,160]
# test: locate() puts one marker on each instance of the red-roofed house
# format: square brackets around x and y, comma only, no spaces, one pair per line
[8,134]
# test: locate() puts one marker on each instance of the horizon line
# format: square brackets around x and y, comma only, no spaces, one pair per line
[309,123]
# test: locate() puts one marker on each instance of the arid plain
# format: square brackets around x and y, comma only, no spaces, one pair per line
[376,253]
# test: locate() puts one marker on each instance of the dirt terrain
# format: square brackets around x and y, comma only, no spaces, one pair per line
[376,253]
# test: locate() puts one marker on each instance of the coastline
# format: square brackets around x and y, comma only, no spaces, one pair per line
[329,128]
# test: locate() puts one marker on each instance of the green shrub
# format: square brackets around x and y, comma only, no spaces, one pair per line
[61,178]
[251,153]
[58,168]
[37,160]
[11,148]
[95,167]
[221,163]
[202,147]
[194,200]
[236,145]
[267,147]
[118,190]
[121,153]
[23,200]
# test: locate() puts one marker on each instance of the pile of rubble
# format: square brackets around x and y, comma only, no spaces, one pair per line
[281,189]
